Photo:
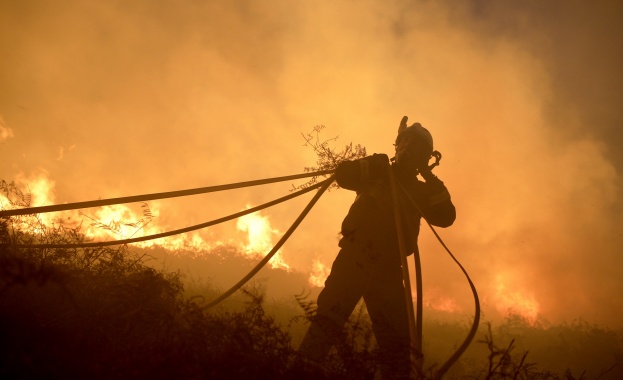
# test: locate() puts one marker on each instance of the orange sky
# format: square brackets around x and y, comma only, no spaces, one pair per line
[121,98]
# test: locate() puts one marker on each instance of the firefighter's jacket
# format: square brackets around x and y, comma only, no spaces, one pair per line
[370,221]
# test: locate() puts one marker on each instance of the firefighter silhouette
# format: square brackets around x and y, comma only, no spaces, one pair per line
[368,264]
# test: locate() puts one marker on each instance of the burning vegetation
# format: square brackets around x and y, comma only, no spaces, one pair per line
[108,312]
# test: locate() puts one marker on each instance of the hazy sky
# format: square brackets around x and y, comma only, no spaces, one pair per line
[113,98]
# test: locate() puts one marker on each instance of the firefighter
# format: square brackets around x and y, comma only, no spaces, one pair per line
[368,265]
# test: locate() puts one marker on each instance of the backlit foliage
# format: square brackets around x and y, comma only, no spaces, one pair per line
[328,157]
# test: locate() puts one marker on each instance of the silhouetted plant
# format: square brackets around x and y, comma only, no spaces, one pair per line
[115,226]
[502,364]
[355,355]
[328,158]
[103,313]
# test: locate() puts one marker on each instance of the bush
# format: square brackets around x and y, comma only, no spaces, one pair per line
[103,313]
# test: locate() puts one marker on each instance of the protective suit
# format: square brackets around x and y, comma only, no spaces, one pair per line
[368,264]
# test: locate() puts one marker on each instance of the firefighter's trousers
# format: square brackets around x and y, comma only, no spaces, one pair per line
[361,272]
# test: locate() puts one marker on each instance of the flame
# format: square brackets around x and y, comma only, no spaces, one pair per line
[120,221]
[259,234]
[115,221]
[5,203]
[319,274]
[259,231]
[439,302]
[125,221]
[517,301]
[39,188]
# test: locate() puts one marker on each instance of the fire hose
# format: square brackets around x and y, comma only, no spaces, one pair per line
[321,185]
[415,326]
[178,231]
[417,343]
[149,197]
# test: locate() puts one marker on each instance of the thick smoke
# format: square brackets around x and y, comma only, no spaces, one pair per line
[118,98]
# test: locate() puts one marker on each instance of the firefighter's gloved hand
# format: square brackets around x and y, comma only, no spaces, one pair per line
[353,175]
[426,172]
[375,166]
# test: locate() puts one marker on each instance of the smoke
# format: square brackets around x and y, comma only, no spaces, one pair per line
[5,132]
[115,99]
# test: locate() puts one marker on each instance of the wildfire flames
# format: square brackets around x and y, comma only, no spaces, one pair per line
[123,221]
[319,274]
[517,301]
[260,235]
[434,300]
[127,221]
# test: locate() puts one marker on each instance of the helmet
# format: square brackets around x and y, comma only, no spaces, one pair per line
[416,131]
